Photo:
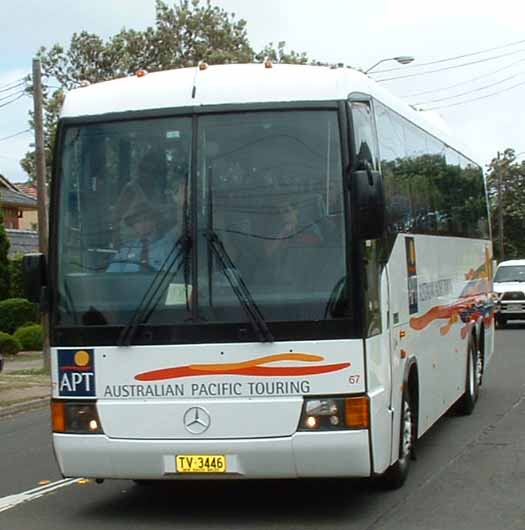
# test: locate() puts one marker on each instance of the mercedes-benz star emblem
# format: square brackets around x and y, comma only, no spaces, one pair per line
[197,420]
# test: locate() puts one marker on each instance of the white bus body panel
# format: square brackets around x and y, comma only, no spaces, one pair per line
[254,418]
[453,279]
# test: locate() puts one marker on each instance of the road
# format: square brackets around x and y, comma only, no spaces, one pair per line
[470,474]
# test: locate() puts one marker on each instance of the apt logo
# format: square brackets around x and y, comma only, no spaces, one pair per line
[76,372]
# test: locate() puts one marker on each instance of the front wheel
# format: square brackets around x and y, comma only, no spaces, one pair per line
[396,475]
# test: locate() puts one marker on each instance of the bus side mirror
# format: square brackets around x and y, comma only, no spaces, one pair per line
[367,196]
[35,276]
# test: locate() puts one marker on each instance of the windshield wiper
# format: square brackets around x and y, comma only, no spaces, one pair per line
[240,289]
[153,294]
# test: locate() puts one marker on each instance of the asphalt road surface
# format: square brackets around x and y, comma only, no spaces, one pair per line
[470,474]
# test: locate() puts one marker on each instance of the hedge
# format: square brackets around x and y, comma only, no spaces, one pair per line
[14,312]
[16,277]
[8,344]
[30,337]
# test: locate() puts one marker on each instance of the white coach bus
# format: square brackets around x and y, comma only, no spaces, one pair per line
[259,271]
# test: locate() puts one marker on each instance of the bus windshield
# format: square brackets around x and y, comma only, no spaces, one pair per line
[179,219]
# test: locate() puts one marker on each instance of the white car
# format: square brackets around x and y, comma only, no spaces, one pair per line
[509,284]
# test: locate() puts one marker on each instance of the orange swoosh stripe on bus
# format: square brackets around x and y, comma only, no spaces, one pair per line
[252,367]
[444,312]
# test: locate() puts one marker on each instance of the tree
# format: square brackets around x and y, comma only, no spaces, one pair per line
[184,34]
[4,262]
[507,176]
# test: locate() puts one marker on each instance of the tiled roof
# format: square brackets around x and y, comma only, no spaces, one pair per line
[27,189]
[16,198]
[22,241]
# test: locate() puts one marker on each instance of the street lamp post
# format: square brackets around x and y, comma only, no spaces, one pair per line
[402,59]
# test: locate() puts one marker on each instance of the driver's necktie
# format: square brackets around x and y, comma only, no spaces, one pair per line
[144,254]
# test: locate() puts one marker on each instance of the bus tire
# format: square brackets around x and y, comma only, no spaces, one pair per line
[395,476]
[467,402]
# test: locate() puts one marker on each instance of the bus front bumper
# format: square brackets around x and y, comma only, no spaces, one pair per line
[304,454]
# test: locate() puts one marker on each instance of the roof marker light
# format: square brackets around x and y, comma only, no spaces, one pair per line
[141,73]
[203,65]
[268,62]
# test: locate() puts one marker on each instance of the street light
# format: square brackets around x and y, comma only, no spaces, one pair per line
[402,59]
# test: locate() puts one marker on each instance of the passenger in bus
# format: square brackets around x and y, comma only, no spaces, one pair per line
[293,233]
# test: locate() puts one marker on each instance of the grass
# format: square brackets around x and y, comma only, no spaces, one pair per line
[26,356]
[29,371]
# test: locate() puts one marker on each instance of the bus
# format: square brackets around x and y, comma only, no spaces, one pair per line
[314,296]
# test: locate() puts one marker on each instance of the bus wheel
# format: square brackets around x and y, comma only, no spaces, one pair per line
[467,402]
[395,476]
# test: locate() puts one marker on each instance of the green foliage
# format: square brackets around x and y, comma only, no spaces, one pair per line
[30,337]
[509,176]
[5,280]
[17,277]
[14,312]
[8,344]
[183,35]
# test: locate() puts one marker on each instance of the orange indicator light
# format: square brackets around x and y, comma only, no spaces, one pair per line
[357,414]
[58,416]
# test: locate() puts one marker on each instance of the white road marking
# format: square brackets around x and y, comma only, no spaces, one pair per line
[6,503]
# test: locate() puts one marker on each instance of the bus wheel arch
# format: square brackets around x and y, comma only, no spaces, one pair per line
[395,476]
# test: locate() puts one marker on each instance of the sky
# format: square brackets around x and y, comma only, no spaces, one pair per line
[340,31]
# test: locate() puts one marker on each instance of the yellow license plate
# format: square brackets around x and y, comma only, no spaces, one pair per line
[201,463]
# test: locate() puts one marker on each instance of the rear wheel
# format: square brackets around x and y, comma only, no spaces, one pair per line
[395,476]
[467,402]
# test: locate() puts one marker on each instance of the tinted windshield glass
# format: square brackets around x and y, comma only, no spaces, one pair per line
[511,273]
[122,199]
[271,184]
[268,186]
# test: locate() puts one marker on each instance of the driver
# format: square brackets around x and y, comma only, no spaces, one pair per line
[150,244]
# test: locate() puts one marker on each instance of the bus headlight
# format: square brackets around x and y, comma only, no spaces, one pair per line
[321,414]
[75,417]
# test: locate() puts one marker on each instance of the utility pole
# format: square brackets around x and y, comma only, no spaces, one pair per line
[500,213]
[40,159]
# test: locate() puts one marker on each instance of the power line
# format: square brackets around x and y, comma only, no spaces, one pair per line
[452,67]
[13,135]
[16,81]
[451,58]
[488,74]
[13,87]
[3,98]
[478,98]
[12,101]
[479,89]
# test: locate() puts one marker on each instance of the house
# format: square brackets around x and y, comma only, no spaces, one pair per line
[29,219]
[20,212]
